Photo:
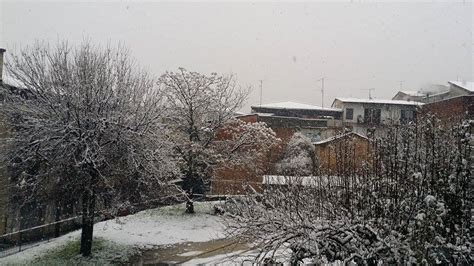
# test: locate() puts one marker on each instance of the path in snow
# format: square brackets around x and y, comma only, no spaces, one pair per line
[213,251]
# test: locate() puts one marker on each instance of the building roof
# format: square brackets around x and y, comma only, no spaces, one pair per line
[294,106]
[414,93]
[377,101]
[467,85]
[338,137]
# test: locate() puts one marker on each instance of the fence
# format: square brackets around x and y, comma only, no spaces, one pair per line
[17,241]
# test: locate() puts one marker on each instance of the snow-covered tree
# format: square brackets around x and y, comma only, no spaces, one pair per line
[199,105]
[298,157]
[93,121]
[241,143]
[243,152]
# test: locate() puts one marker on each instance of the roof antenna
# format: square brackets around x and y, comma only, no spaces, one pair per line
[322,91]
[370,93]
[261,91]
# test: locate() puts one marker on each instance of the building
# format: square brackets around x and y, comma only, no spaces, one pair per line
[342,155]
[4,181]
[456,106]
[414,96]
[361,114]
[451,111]
[461,88]
[436,92]
[286,118]
[292,109]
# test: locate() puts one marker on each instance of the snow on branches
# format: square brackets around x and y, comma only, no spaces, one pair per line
[198,106]
[410,204]
[298,158]
[93,121]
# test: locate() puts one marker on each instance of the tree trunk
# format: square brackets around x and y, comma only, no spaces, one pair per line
[88,206]
[190,203]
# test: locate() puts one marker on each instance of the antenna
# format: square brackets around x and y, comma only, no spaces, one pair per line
[261,91]
[370,93]
[401,84]
[322,91]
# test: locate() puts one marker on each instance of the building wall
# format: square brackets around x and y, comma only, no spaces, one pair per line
[451,110]
[301,113]
[343,155]
[234,181]
[4,182]
[456,91]
[388,112]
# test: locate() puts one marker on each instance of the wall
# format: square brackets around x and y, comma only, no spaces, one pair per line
[4,182]
[302,113]
[343,155]
[451,110]
[233,181]
[389,112]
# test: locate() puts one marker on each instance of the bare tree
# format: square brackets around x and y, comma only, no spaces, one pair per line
[199,106]
[93,119]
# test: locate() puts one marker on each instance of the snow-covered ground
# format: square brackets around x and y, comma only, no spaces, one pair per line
[143,230]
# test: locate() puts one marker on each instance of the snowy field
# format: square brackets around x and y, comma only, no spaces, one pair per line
[117,240]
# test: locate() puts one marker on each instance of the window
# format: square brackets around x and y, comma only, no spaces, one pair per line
[372,116]
[349,113]
[407,116]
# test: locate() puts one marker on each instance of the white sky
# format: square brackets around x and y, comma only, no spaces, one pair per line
[355,45]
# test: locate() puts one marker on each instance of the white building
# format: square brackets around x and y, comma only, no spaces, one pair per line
[360,114]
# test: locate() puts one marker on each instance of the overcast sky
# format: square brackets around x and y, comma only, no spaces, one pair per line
[354,45]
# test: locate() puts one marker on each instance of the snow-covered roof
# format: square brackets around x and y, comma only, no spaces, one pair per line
[264,114]
[378,101]
[414,93]
[237,114]
[467,85]
[295,106]
[337,137]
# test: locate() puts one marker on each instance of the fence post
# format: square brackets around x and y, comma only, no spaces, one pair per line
[19,242]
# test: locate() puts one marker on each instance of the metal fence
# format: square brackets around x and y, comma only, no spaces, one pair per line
[17,241]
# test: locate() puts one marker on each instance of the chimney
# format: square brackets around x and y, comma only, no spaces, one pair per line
[1,65]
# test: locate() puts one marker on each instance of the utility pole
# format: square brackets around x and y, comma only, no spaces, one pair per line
[261,91]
